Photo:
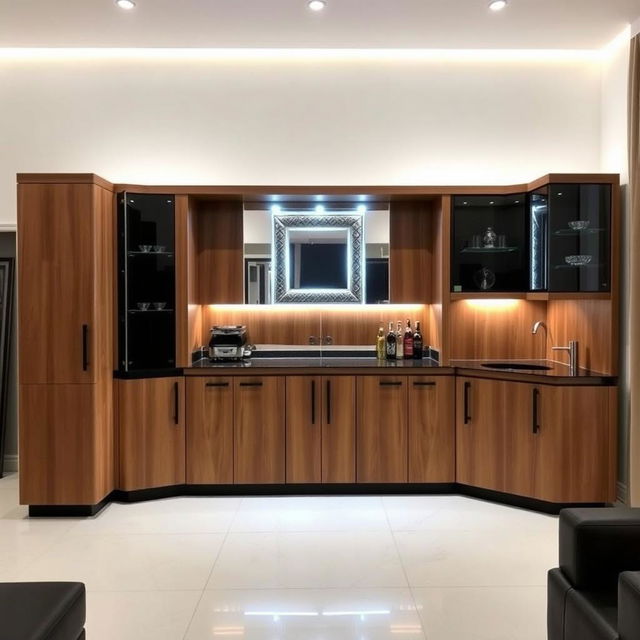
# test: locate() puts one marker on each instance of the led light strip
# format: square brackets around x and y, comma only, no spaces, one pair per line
[50,54]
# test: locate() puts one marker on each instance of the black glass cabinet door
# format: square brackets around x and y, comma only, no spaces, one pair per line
[489,250]
[147,290]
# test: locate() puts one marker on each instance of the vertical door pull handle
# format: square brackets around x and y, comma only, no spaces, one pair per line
[313,402]
[467,416]
[535,426]
[328,401]
[85,347]
[176,406]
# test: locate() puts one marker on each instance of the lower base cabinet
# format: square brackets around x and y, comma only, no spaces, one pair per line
[151,432]
[259,430]
[551,443]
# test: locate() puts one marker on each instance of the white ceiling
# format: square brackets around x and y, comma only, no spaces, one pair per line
[449,24]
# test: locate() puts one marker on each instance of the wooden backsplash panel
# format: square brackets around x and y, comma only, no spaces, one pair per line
[498,330]
[590,323]
[294,325]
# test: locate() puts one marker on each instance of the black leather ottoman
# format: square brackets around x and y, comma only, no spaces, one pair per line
[42,611]
[595,594]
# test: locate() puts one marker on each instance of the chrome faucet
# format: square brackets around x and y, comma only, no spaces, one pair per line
[537,325]
[573,356]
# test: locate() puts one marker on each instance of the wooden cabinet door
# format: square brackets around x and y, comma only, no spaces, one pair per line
[431,429]
[209,430]
[521,427]
[576,454]
[259,430]
[339,429]
[382,429]
[56,271]
[152,433]
[480,437]
[304,429]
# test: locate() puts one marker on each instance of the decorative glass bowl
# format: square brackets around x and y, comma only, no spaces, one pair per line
[143,306]
[577,261]
[579,225]
[145,248]
[159,306]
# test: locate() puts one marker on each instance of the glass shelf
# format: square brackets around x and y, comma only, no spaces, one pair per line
[489,249]
[577,232]
[577,266]
[151,253]
[150,310]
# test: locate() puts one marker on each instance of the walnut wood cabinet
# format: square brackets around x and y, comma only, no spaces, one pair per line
[151,432]
[259,430]
[320,442]
[552,443]
[209,420]
[65,342]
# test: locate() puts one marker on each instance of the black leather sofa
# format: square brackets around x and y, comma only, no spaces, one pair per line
[595,593]
[42,611]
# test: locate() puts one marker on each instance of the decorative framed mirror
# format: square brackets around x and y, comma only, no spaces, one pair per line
[318,258]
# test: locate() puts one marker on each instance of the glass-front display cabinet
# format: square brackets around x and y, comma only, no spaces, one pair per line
[570,238]
[147,290]
[490,248]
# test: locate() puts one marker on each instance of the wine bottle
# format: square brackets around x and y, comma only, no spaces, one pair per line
[380,344]
[399,342]
[408,341]
[391,343]
[417,343]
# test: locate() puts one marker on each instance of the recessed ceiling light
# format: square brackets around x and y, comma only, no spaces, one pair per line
[317,5]
[497,5]
[126,4]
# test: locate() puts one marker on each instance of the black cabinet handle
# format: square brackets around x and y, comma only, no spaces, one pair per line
[424,384]
[328,401]
[313,402]
[467,388]
[216,384]
[85,347]
[390,384]
[176,400]
[251,384]
[535,427]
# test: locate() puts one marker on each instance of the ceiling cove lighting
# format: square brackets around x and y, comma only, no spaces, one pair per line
[317,5]
[126,4]
[497,5]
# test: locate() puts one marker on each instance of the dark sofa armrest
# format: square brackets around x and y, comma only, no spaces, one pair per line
[596,545]
[629,605]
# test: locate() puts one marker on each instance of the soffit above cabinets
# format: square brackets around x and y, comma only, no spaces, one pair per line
[463,24]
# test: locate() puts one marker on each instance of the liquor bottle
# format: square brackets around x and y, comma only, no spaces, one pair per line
[391,343]
[399,342]
[417,343]
[408,341]
[380,345]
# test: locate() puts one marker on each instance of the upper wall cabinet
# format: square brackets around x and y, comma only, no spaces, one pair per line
[147,287]
[571,238]
[490,250]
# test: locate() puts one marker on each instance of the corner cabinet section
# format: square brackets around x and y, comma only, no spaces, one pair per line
[151,433]
[551,443]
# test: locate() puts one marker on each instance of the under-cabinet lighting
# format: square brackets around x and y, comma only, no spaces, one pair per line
[276,209]
[362,208]
[317,5]
[493,304]
[282,614]
[374,612]
[367,308]
[319,208]
[126,4]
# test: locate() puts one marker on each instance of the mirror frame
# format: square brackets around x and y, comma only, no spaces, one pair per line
[354,294]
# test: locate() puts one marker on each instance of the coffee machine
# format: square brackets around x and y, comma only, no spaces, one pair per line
[227,342]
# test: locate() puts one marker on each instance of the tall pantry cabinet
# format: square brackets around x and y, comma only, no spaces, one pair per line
[65,342]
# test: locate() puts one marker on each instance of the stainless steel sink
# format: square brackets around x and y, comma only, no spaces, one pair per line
[517,366]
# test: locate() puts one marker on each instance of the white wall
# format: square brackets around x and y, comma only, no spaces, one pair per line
[331,122]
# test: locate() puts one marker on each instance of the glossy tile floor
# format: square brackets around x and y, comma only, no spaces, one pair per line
[316,568]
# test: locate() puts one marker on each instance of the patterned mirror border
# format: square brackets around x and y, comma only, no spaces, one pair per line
[283,294]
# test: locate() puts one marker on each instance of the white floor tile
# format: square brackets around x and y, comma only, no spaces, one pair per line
[490,613]
[476,558]
[140,615]
[303,614]
[130,562]
[173,515]
[9,480]
[312,513]
[315,559]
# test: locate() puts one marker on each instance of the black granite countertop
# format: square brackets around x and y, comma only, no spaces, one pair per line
[317,362]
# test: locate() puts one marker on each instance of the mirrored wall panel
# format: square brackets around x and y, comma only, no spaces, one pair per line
[298,254]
